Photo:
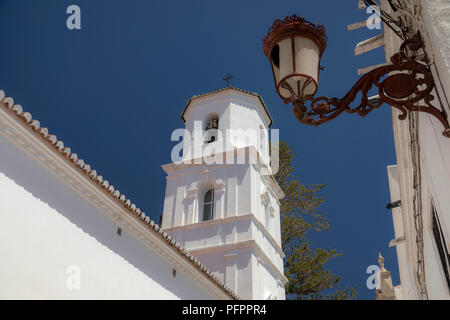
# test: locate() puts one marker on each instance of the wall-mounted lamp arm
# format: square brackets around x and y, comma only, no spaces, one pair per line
[406,84]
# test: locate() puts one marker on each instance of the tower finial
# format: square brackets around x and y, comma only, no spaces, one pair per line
[228,78]
[381,261]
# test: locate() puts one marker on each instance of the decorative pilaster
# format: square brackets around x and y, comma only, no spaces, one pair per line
[191,204]
[219,202]
[230,270]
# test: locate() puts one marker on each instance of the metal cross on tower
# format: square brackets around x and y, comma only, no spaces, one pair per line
[228,78]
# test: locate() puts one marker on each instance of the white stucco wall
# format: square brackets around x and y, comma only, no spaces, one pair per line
[239,217]
[436,19]
[242,243]
[46,227]
[434,166]
[240,113]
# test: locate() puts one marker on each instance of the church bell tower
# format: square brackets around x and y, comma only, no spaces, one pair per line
[222,202]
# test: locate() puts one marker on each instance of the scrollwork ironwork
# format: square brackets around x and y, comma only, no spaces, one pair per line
[406,85]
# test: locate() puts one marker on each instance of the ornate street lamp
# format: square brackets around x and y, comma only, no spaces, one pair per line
[295,46]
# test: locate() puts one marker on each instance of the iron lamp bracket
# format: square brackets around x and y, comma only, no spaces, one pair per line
[406,84]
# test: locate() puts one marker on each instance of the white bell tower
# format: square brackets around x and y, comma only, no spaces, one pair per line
[221,202]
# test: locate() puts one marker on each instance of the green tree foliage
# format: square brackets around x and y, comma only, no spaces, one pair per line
[300,214]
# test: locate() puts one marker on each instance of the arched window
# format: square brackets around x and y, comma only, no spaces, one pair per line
[211,127]
[208,205]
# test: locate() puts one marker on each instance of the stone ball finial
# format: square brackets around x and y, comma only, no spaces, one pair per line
[381,261]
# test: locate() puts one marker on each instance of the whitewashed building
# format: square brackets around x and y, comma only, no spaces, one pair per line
[67,233]
[420,180]
[228,214]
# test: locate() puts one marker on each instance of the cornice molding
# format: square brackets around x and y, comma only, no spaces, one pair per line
[229,93]
[250,216]
[199,163]
[244,244]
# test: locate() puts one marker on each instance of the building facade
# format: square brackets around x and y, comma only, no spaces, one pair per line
[67,233]
[222,202]
[420,180]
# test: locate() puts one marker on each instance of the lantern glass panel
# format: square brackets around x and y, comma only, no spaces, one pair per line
[286,67]
[307,59]
[295,61]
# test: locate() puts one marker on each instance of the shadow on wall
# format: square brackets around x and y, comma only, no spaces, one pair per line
[41,184]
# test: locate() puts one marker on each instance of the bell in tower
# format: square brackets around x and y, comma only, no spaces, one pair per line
[211,130]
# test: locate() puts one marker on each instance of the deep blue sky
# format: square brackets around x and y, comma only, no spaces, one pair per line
[114,92]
